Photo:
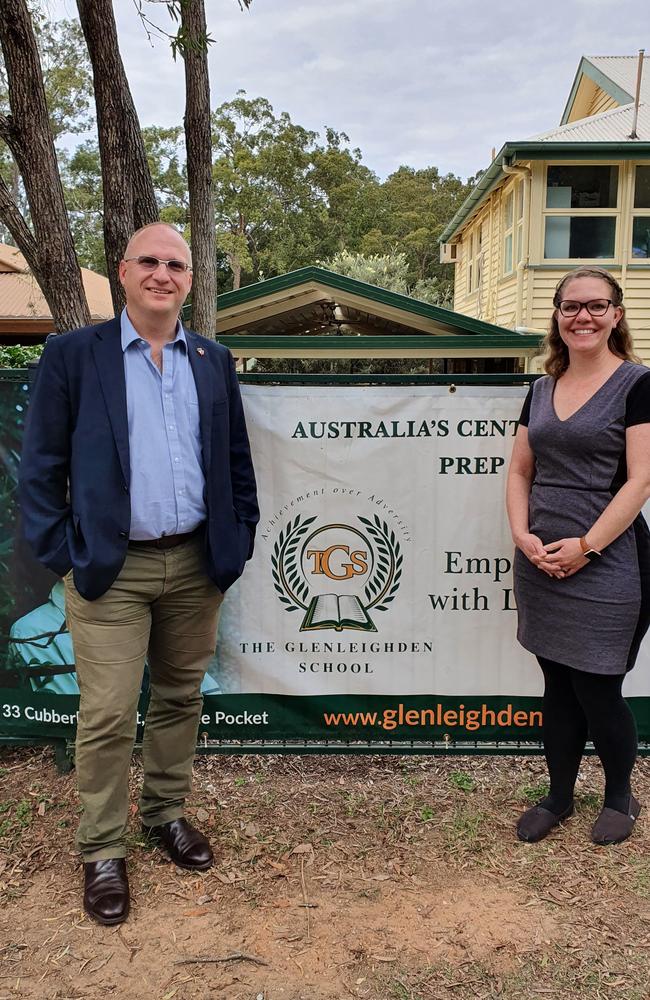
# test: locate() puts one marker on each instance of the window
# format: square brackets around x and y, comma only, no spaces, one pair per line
[474,260]
[478,263]
[579,222]
[519,242]
[508,232]
[641,217]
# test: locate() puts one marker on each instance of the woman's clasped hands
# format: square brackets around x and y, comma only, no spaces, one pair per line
[558,559]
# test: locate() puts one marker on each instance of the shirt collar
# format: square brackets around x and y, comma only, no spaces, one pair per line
[129,334]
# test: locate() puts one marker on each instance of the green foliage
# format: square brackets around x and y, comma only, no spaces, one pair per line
[67,75]
[19,355]
[415,207]
[389,271]
[533,793]
[462,781]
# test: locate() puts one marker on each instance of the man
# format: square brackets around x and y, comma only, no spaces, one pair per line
[137,487]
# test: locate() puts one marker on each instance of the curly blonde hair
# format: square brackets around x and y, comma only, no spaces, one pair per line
[556,354]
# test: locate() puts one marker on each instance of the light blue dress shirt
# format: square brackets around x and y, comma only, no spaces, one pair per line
[167,477]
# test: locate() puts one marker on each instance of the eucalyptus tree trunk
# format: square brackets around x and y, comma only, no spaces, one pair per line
[48,247]
[128,193]
[198,144]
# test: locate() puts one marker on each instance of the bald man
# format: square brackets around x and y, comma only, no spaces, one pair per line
[137,488]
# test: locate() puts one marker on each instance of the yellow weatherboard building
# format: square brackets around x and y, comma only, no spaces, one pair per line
[576,195]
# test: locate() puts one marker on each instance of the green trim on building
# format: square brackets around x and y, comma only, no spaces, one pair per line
[513,152]
[403,342]
[321,276]
[588,69]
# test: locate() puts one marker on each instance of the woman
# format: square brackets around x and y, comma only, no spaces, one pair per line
[579,476]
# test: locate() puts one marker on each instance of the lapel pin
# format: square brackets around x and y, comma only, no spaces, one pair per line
[200,351]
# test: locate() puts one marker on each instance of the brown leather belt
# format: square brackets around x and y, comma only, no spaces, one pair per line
[166,541]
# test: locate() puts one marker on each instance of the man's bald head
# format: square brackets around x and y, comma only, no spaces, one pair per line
[131,247]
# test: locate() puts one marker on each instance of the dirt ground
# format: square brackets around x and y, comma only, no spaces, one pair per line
[383,878]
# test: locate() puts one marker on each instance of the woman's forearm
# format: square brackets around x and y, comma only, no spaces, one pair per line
[618,514]
[517,493]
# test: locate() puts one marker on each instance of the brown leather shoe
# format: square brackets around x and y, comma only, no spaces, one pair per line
[106,891]
[186,846]
[612,826]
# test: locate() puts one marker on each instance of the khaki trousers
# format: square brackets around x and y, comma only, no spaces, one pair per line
[164,607]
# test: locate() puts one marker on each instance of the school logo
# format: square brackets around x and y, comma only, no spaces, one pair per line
[336,574]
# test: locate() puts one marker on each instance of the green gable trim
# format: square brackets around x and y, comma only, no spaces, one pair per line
[426,342]
[513,152]
[354,287]
[588,69]
[329,279]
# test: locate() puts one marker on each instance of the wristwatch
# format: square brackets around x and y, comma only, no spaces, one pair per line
[587,551]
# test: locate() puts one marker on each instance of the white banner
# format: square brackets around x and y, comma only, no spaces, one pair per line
[383,557]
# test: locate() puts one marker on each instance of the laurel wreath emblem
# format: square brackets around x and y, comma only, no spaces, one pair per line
[384,584]
[284,565]
[291,587]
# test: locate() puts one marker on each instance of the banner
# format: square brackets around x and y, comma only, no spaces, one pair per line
[378,604]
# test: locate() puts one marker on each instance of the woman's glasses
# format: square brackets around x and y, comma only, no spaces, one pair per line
[596,307]
[151,263]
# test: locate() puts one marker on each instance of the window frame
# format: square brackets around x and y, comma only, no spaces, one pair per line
[508,210]
[474,259]
[609,213]
[638,213]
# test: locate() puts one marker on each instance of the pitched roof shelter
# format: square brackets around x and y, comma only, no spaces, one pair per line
[24,314]
[315,313]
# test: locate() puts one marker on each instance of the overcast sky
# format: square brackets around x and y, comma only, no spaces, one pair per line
[410,81]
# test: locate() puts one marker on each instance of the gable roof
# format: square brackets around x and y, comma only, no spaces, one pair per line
[313,309]
[615,75]
[23,307]
[606,134]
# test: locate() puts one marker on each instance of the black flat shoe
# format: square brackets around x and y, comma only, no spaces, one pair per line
[612,826]
[106,891]
[186,846]
[537,822]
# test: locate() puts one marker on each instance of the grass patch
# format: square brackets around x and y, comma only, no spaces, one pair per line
[590,800]
[467,830]
[461,780]
[533,793]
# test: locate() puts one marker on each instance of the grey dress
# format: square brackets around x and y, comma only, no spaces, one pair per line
[594,620]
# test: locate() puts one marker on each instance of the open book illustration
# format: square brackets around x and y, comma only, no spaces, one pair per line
[330,611]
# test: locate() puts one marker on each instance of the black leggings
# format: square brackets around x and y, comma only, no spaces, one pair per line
[578,705]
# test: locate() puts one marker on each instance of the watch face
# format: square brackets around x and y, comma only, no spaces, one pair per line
[592,554]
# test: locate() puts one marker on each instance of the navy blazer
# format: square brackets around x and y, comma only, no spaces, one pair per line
[75,469]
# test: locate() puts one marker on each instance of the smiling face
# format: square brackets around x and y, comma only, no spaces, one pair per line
[155,296]
[584,333]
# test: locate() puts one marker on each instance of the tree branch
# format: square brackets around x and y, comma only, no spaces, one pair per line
[14,220]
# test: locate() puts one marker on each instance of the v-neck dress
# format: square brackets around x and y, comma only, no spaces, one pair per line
[594,620]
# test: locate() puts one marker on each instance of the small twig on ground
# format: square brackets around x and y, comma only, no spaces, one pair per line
[237,956]
[305,898]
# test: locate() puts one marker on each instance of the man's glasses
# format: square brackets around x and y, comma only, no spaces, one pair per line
[151,263]
[597,307]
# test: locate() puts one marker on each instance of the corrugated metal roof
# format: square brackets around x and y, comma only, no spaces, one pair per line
[11,259]
[614,125]
[622,71]
[21,298]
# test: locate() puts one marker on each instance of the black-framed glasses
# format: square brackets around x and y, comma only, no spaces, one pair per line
[595,307]
[151,263]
